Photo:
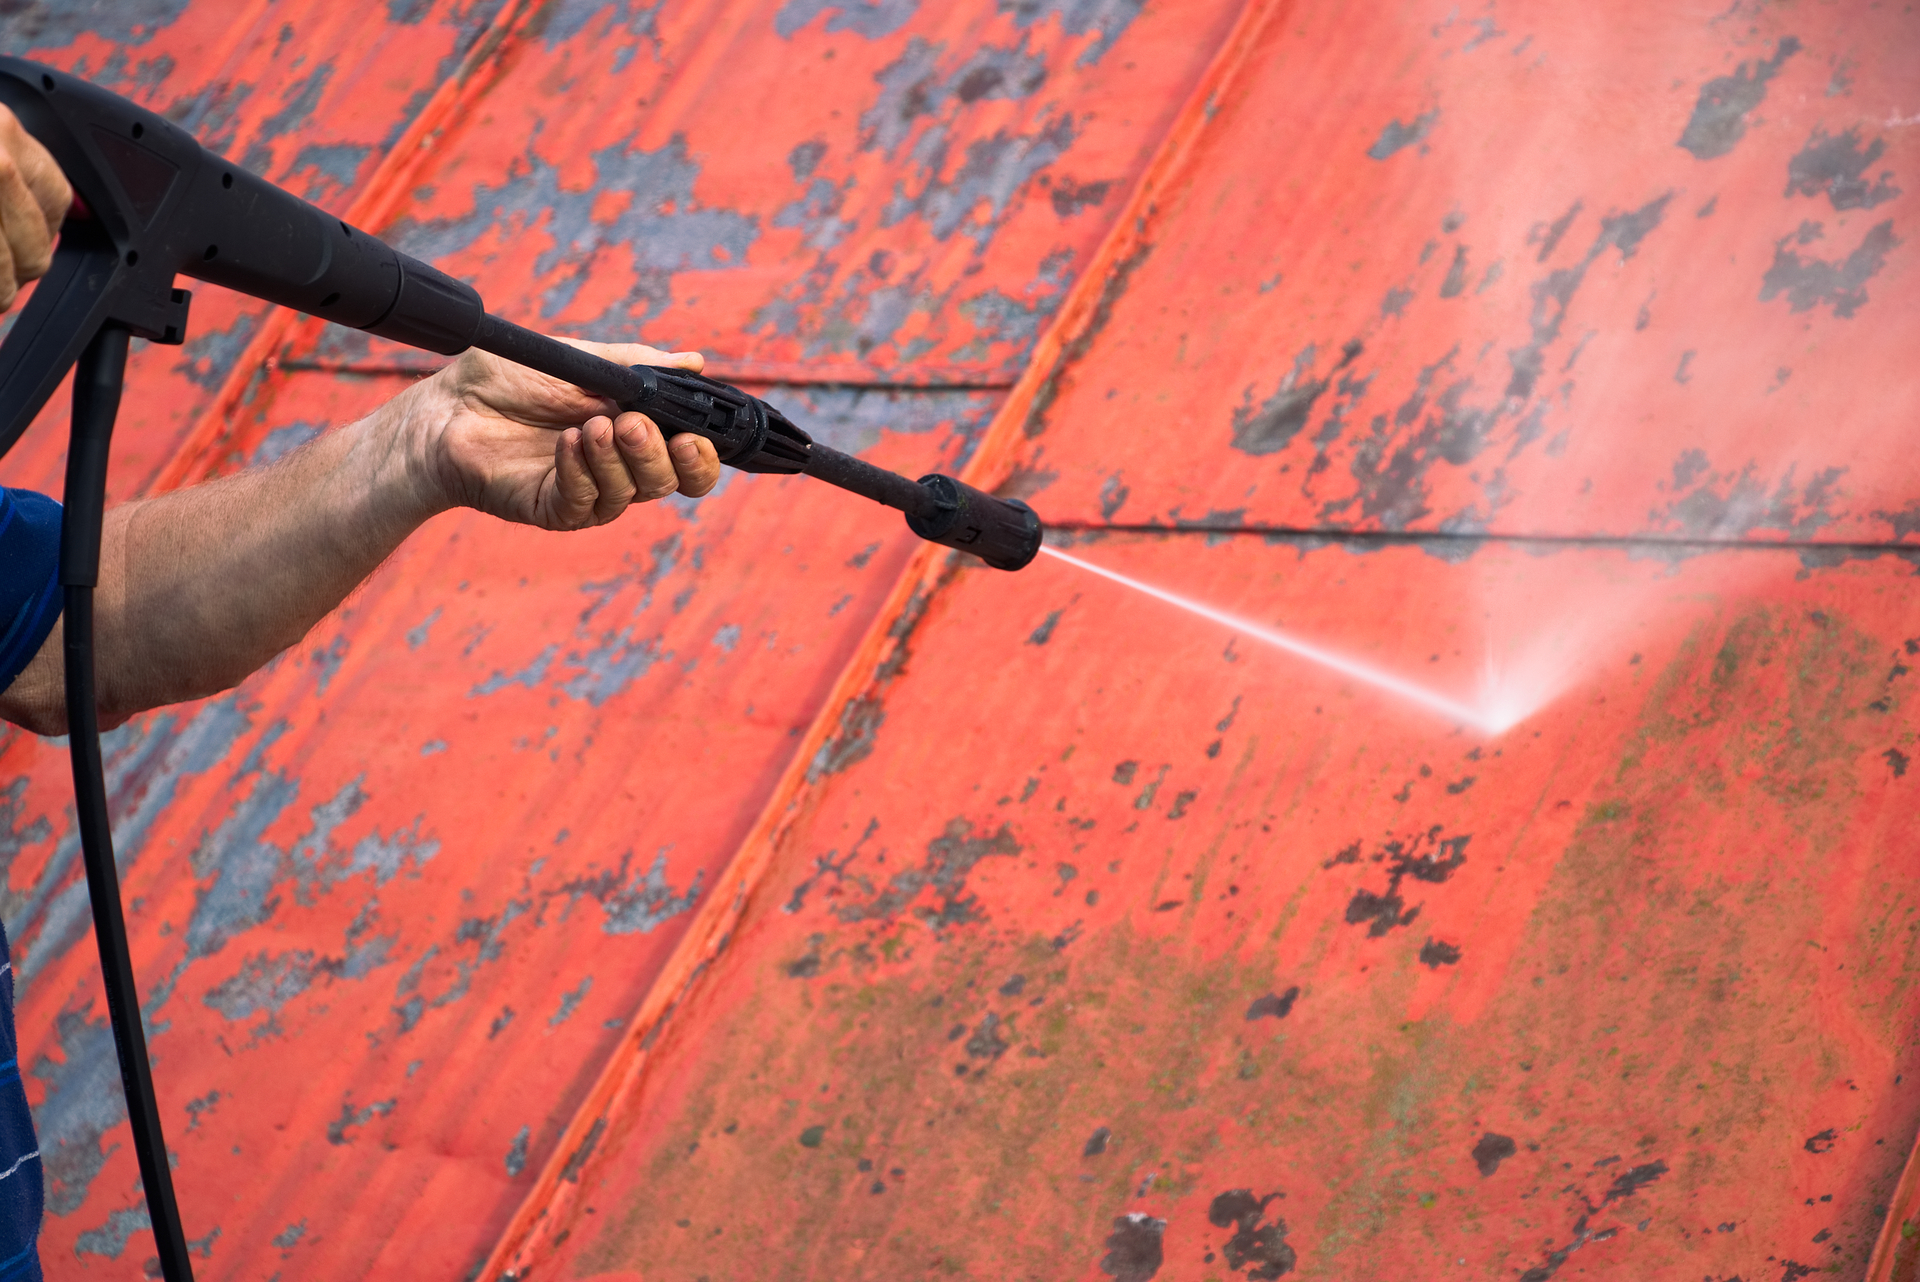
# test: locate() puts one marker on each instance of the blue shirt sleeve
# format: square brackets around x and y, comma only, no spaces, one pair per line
[29,577]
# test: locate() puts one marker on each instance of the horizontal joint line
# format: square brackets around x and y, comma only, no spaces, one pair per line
[1453,536]
[309,366]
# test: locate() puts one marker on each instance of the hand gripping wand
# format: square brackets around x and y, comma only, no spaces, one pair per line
[152,205]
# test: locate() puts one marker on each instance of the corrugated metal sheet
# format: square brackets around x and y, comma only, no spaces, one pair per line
[742,891]
[1163,954]
[396,897]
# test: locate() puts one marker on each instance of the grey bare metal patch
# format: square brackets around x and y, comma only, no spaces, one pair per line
[870,18]
[852,741]
[83,1105]
[147,760]
[298,102]
[611,666]
[1491,1150]
[979,192]
[1261,1249]
[1274,1005]
[999,317]
[1106,20]
[110,1239]
[664,228]
[1425,857]
[266,982]
[563,21]
[1836,166]
[212,113]
[1389,462]
[1730,505]
[915,87]
[1809,282]
[934,891]
[339,1131]
[432,983]
[212,354]
[53,24]
[1552,296]
[862,716]
[852,312]
[1270,426]
[1134,1248]
[632,902]
[335,165]
[1719,119]
[1397,136]
[852,419]
[530,676]
[954,180]
[16,835]
[816,212]
[1070,197]
[1624,1186]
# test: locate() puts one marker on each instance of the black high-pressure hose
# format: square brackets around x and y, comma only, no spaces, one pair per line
[153,204]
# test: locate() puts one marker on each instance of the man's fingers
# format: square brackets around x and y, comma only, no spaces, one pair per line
[640,354]
[611,479]
[570,505]
[23,225]
[648,461]
[9,285]
[696,463]
[39,170]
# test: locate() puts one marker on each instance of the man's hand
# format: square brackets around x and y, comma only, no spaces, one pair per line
[518,445]
[201,586]
[34,196]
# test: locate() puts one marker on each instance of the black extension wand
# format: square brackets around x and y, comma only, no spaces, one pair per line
[153,204]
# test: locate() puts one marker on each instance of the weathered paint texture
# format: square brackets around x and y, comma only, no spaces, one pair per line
[1089,939]
[746,891]
[466,821]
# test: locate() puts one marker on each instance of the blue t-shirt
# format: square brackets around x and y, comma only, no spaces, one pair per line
[30,582]
[29,605]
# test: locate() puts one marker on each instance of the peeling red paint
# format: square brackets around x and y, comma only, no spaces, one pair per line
[744,890]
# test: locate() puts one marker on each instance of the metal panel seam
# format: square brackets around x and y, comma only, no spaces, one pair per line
[195,458]
[1885,1262]
[544,1216]
[1085,310]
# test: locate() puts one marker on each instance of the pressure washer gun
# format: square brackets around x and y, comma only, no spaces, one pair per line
[152,204]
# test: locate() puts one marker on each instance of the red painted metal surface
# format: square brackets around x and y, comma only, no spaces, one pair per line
[1534,272]
[740,891]
[1159,953]
[1573,1000]
[396,897]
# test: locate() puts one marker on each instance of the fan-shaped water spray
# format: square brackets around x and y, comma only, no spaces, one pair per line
[1505,699]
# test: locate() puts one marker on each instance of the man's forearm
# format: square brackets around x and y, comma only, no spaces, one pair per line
[200,587]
